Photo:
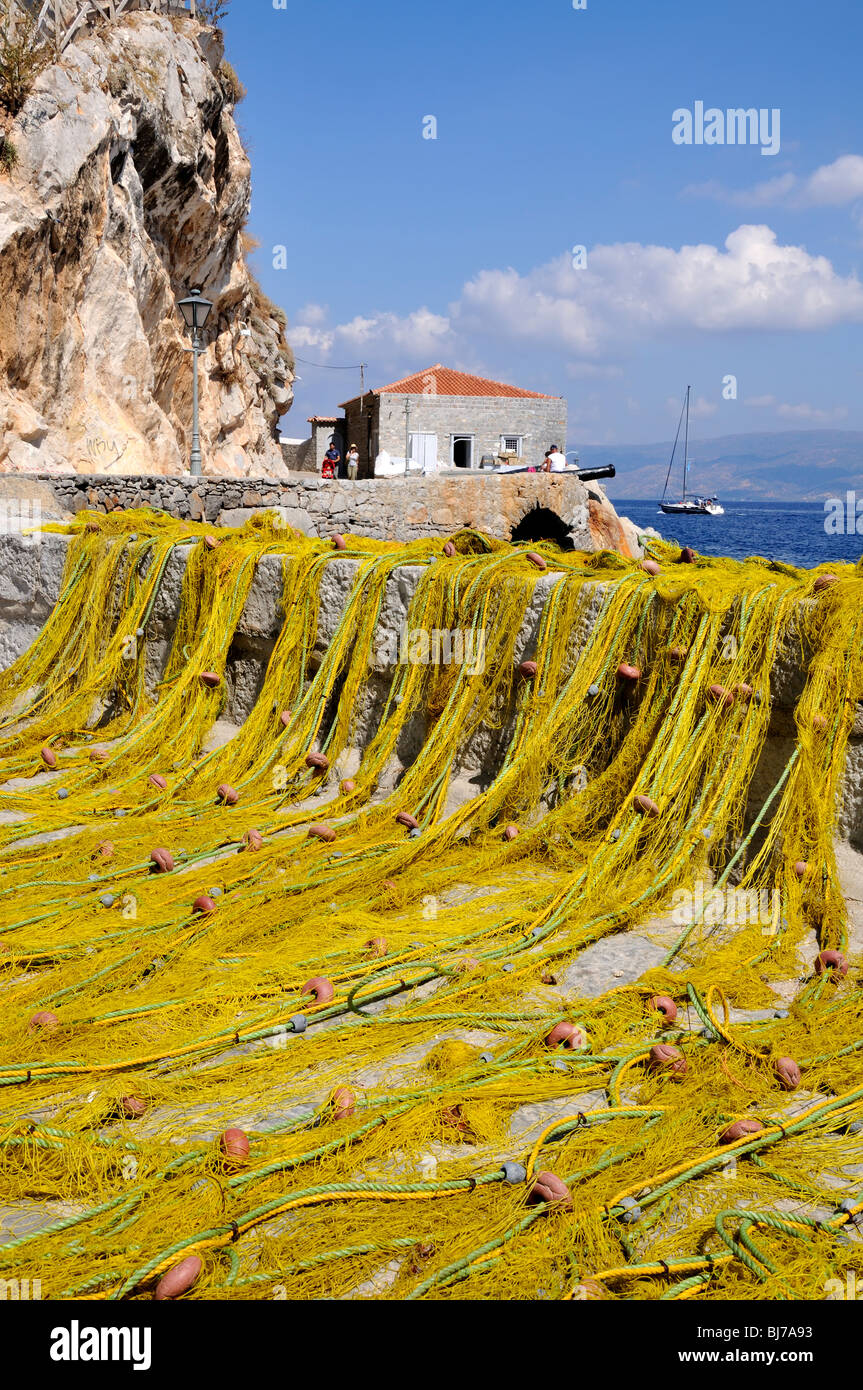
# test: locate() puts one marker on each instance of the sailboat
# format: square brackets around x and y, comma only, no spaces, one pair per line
[692,505]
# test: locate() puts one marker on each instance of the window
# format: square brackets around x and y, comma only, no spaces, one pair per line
[511,443]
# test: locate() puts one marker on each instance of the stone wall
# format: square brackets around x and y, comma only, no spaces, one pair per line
[381,508]
[30,577]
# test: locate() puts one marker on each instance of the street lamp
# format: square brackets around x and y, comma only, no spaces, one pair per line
[196,311]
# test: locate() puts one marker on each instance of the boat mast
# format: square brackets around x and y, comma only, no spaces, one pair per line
[686,443]
[673,452]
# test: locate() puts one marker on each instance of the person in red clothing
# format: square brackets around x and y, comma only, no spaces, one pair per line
[332,459]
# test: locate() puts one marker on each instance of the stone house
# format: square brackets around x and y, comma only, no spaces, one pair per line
[440,418]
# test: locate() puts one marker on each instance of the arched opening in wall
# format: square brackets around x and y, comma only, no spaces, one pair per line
[542,524]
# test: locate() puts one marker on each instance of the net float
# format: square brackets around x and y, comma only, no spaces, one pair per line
[511,833]
[377,946]
[626,672]
[651,567]
[720,695]
[227,794]
[133,1107]
[592,1291]
[320,987]
[343,1102]
[549,1188]
[48,756]
[568,1034]
[664,1057]
[319,761]
[348,786]
[104,851]
[162,861]
[323,832]
[744,691]
[801,868]
[466,966]
[824,581]
[665,1005]
[819,722]
[339,542]
[44,1022]
[686,556]
[834,961]
[449,549]
[527,670]
[285,718]
[211,542]
[787,1073]
[452,1117]
[211,679]
[391,884]
[91,527]
[739,1130]
[645,805]
[406,819]
[98,755]
[179,1279]
[678,653]
[253,840]
[234,1144]
[204,904]
[536,559]
[157,780]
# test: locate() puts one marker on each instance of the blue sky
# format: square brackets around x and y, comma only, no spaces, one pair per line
[554,130]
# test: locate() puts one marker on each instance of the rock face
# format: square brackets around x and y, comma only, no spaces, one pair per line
[132,185]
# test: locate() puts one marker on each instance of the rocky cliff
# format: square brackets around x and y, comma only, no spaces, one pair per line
[131,185]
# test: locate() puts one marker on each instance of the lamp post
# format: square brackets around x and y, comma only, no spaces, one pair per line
[196,311]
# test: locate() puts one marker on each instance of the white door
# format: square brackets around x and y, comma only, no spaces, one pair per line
[424,452]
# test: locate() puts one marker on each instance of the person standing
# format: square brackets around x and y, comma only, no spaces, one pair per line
[555,461]
[353,461]
[332,459]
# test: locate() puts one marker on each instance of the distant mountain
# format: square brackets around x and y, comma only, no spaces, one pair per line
[791,466]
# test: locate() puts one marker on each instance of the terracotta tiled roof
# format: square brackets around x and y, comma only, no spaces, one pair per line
[324,419]
[443,381]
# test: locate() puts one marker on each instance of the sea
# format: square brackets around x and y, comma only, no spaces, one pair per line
[793,532]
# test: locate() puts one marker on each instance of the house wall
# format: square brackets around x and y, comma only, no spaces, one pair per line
[540,422]
[361,426]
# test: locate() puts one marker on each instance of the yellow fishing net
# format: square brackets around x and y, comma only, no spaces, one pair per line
[340,1037]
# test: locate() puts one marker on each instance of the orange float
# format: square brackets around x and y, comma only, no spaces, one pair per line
[179,1279]
[550,1189]
[787,1073]
[319,986]
[739,1130]
[665,1005]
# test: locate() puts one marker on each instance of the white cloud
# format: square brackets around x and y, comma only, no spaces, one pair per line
[831,185]
[811,414]
[629,290]
[311,314]
[628,293]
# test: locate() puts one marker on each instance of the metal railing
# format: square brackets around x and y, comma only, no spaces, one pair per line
[59,21]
